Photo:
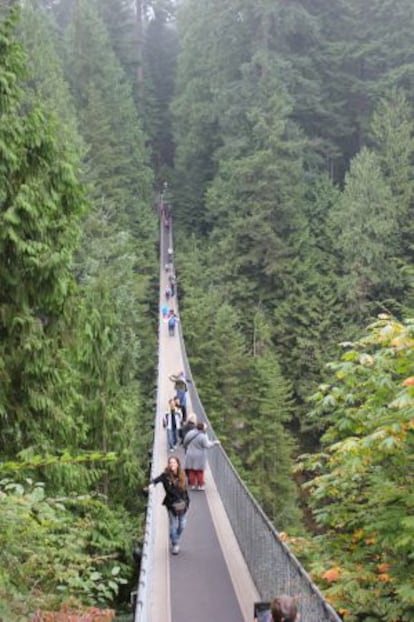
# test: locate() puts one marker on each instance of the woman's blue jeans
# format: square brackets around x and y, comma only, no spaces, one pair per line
[177,524]
[172,438]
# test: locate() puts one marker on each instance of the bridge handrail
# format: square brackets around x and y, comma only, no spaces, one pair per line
[142,611]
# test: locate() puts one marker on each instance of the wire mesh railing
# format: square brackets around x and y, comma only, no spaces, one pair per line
[142,609]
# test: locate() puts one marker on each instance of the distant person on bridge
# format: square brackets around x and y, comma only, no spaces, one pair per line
[180,386]
[196,444]
[172,281]
[190,424]
[176,499]
[165,311]
[172,321]
[172,423]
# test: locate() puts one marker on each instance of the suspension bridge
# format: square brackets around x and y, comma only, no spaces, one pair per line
[231,555]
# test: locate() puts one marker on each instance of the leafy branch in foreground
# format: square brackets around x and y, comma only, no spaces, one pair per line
[363,481]
[56,551]
[44,461]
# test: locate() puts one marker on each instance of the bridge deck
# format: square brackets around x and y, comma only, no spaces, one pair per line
[209,580]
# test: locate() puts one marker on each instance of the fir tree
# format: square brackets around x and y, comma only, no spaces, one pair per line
[41,206]
[366,229]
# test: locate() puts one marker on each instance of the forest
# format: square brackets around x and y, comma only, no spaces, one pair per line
[285,133]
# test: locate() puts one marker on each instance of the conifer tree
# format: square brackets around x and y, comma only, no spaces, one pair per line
[120,20]
[41,203]
[46,78]
[269,444]
[362,49]
[366,235]
[159,64]
[117,255]
[392,129]
[109,123]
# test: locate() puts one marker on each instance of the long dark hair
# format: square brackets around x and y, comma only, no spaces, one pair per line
[179,479]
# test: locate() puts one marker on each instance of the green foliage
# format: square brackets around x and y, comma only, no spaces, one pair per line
[393,132]
[115,352]
[366,234]
[269,444]
[53,548]
[61,341]
[45,77]
[159,62]
[117,160]
[35,462]
[361,492]
[41,203]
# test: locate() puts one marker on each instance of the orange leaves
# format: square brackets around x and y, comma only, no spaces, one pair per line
[332,574]
[383,567]
[93,614]
[383,575]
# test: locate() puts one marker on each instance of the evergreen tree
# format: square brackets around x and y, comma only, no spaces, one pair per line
[362,49]
[366,235]
[115,355]
[159,62]
[393,132]
[41,206]
[308,316]
[269,445]
[196,106]
[120,20]
[45,72]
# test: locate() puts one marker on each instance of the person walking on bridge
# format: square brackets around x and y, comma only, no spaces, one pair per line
[172,423]
[196,444]
[172,321]
[176,499]
[180,386]
[190,424]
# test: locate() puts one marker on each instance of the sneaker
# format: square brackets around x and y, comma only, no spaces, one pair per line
[201,487]
[193,487]
[175,549]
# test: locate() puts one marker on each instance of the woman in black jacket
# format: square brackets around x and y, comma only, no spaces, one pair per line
[176,499]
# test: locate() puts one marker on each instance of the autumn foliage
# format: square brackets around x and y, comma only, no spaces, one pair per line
[361,492]
[67,614]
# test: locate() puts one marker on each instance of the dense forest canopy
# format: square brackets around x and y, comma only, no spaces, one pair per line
[285,131]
